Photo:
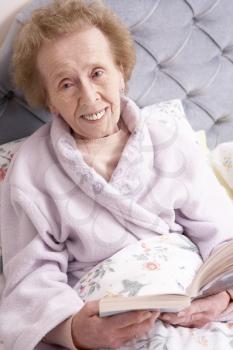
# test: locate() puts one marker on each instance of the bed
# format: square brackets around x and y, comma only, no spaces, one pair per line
[184,51]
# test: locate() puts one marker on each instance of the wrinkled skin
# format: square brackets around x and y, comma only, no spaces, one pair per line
[90,331]
[200,313]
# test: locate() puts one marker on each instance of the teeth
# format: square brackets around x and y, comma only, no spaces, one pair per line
[95,116]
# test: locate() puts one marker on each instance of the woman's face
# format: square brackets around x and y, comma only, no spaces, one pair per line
[83,82]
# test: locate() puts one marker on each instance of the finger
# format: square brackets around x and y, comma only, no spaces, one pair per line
[200,307]
[92,308]
[170,317]
[130,318]
[204,304]
[173,318]
[127,334]
[138,330]
[196,324]
[197,307]
[167,314]
[194,320]
[188,319]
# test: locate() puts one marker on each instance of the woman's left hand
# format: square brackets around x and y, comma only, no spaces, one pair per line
[200,313]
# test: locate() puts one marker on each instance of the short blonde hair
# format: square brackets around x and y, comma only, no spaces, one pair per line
[60,17]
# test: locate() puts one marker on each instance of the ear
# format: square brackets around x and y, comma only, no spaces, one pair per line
[52,109]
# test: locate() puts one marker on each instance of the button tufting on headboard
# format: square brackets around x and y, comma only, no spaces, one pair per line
[8,96]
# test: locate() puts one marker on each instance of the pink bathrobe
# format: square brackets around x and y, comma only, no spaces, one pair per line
[59,217]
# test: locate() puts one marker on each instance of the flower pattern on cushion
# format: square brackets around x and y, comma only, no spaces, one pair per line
[133,270]
[7,152]
[2,174]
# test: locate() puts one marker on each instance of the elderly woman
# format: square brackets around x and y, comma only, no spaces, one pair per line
[93,181]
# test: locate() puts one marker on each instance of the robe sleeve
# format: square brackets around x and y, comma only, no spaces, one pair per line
[36,297]
[206,214]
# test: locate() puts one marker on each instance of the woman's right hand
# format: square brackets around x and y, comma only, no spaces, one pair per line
[90,331]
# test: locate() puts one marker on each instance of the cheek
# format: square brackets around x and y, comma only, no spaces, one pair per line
[113,85]
[113,94]
[63,104]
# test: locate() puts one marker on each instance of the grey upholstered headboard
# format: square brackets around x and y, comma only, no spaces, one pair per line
[184,50]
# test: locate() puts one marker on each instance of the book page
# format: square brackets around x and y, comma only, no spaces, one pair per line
[218,264]
[219,284]
[164,303]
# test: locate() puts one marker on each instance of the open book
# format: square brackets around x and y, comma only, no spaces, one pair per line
[165,272]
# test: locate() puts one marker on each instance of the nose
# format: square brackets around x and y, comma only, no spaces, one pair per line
[88,93]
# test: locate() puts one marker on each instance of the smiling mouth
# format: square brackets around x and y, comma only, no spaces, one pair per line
[94,116]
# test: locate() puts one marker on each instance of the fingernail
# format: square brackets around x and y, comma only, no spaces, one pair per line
[146,314]
[165,317]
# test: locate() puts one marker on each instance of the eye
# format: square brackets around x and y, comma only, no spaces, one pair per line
[66,86]
[97,73]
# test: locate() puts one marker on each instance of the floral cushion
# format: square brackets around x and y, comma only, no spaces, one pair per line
[7,152]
